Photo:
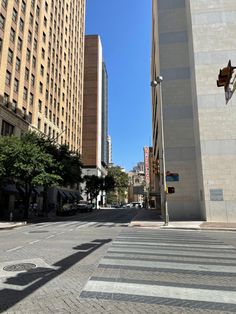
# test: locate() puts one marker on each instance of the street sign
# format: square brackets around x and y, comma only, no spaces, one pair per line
[171,177]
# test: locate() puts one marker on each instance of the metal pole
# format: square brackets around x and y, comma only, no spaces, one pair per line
[163,158]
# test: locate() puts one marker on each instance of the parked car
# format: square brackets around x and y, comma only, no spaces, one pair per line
[84,206]
[67,209]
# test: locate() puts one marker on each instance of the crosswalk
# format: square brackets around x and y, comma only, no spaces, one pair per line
[78,225]
[177,268]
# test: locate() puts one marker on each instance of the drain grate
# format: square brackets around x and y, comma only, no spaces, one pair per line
[19,267]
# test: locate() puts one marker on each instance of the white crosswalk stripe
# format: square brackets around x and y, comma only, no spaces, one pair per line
[176,254]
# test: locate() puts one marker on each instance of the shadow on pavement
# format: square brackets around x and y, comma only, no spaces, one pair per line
[116,215]
[10,297]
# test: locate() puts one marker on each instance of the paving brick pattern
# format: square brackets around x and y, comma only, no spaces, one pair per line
[99,247]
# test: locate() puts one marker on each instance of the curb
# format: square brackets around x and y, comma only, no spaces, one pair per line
[16,225]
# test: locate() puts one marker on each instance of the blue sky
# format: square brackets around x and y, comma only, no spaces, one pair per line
[125,30]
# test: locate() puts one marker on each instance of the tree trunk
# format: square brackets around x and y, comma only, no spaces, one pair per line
[45,201]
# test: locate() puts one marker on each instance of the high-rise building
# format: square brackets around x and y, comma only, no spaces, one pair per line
[41,66]
[109,150]
[192,40]
[95,114]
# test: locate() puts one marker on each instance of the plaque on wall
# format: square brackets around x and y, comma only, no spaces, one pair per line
[216,195]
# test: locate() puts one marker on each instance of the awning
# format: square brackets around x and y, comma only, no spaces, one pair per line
[10,188]
[62,194]
[68,195]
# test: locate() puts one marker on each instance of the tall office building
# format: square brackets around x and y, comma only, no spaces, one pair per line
[95,117]
[41,66]
[109,150]
[192,40]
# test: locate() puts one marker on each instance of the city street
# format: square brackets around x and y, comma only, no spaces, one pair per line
[95,263]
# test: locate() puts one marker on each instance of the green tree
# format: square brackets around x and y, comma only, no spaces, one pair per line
[28,164]
[121,183]
[93,185]
[70,163]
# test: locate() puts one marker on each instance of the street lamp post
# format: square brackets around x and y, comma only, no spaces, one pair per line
[155,83]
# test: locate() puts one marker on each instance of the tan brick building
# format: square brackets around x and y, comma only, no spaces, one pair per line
[41,66]
[95,115]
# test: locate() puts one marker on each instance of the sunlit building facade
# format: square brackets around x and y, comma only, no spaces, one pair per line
[41,66]
[191,41]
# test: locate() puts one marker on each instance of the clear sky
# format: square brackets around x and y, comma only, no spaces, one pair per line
[125,30]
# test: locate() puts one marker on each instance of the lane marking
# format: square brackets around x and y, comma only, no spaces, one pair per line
[34,242]
[51,236]
[15,248]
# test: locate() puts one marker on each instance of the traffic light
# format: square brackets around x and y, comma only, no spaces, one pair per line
[170,190]
[225,76]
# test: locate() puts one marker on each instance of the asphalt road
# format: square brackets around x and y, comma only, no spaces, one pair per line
[95,263]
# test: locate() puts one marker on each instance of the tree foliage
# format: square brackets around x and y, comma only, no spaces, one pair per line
[35,160]
[121,183]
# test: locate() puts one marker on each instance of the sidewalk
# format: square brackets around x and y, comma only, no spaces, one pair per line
[151,218]
[11,225]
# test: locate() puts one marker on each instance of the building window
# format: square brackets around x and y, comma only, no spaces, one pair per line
[23,7]
[7,129]
[19,44]
[41,87]
[40,105]
[2,22]
[44,37]
[14,105]
[45,128]
[24,112]
[17,64]
[28,54]
[12,35]
[4,3]
[30,117]
[16,86]
[14,15]
[43,53]
[8,78]
[46,112]
[42,70]
[39,124]
[31,99]
[32,79]
[34,62]
[36,28]
[25,93]
[31,19]
[21,25]
[37,11]
[10,56]
[35,44]
[45,21]
[29,37]
[26,74]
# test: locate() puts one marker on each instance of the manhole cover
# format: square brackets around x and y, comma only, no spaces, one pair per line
[40,231]
[19,267]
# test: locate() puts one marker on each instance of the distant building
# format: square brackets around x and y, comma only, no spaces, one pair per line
[136,183]
[109,150]
[94,149]
[191,41]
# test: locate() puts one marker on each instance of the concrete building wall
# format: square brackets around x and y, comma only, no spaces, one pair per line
[172,62]
[213,25]
[192,41]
